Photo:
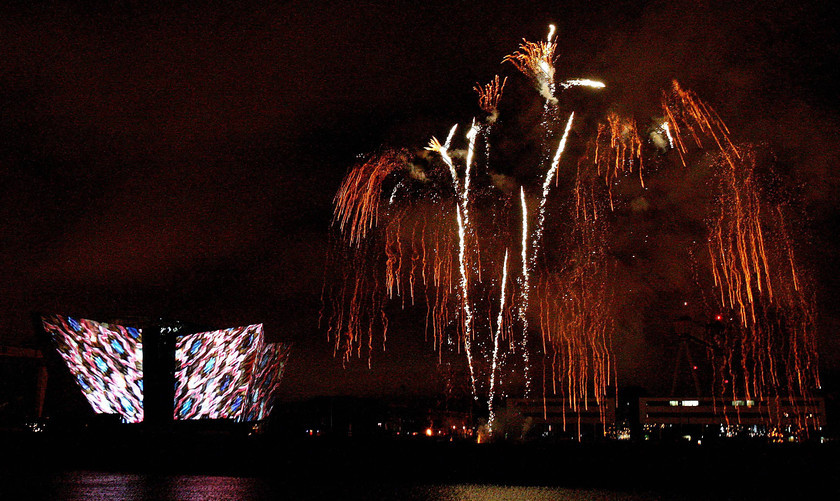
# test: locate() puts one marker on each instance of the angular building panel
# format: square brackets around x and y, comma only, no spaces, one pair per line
[227,374]
[105,360]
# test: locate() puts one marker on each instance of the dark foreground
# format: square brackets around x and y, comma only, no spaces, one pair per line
[160,466]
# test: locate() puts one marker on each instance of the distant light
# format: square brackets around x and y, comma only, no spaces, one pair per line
[429,432]
[718,317]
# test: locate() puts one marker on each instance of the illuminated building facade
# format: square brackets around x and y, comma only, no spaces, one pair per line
[155,372]
[690,418]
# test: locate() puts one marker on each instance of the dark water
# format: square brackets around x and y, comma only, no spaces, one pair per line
[172,467]
[86,485]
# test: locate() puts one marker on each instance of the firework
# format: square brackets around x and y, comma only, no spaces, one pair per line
[582,82]
[764,346]
[438,243]
[357,201]
[497,340]
[536,60]
[618,149]
[489,97]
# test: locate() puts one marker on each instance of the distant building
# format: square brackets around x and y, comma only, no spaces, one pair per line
[156,372]
[693,418]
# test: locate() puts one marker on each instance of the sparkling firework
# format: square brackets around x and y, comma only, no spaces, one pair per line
[536,60]
[489,97]
[450,213]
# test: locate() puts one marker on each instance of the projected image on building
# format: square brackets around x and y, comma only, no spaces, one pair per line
[105,360]
[212,372]
[227,374]
[268,372]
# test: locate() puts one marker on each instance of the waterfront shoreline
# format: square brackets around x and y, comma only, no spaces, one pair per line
[741,469]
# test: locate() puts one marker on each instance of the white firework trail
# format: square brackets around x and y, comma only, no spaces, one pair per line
[549,177]
[394,193]
[465,196]
[465,297]
[582,82]
[528,262]
[523,303]
[444,154]
[667,129]
[496,342]
[462,197]
[524,204]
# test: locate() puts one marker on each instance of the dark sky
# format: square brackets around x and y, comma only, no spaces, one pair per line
[181,161]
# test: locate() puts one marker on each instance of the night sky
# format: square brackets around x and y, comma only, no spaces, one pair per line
[180,162]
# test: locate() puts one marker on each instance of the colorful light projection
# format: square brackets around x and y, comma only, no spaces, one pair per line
[227,374]
[105,360]
[268,372]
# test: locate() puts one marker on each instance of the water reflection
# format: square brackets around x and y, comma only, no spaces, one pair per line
[530,493]
[83,486]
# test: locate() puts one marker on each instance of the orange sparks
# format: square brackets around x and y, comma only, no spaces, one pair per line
[357,200]
[490,95]
[536,60]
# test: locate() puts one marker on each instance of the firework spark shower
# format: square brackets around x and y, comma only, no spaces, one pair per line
[512,248]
